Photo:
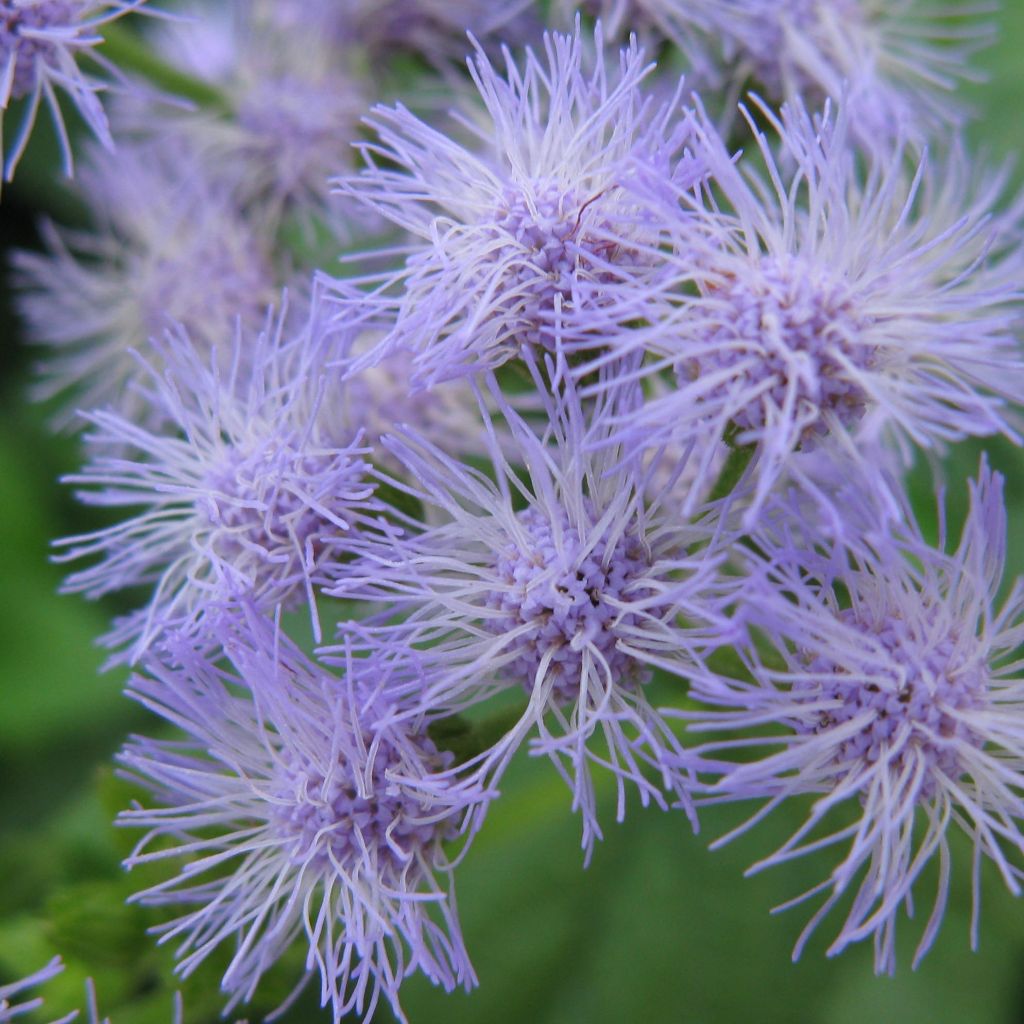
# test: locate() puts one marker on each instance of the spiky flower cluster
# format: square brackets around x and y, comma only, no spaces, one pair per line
[574,598]
[895,681]
[598,451]
[518,237]
[894,63]
[41,42]
[335,807]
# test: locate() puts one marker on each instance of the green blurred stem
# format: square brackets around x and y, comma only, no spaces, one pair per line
[735,466]
[467,739]
[129,52]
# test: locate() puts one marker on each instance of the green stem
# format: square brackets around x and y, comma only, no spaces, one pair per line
[735,465]
[129,52]
[467,739]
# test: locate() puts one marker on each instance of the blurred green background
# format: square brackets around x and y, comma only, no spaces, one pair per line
[657,929]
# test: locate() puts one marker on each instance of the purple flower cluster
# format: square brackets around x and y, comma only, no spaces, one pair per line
[41,42]
[335,805]
[614,399]
[891,668]
[894,63]
[520,229]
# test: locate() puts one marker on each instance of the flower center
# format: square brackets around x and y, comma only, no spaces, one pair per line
[14,21]
[566,599]
[264,511]
[787,336]
[916,713]
[547,237]
[343,814]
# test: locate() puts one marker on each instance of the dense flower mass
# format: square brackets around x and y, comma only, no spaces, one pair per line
[590,427]
[245,491]
[898,691]
[167,247]
[335,809]
[574,598]
[283,73]
[896,63]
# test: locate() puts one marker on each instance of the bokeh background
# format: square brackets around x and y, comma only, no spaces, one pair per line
[656,929]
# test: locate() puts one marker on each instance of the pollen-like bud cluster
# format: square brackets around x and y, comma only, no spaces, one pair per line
[787,337]
[911,710]
[23,38]
[565,602]
[343,813]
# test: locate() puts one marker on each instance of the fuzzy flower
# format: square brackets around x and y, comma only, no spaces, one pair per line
[167,246]
[40,44]
[434,30]
[516,232]
[693,28]
[244,492]
[292,93]
[896,63]
[565,578]
[893,693]
[821,300]
[333,812]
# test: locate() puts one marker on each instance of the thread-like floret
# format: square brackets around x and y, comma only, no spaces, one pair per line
[883,680]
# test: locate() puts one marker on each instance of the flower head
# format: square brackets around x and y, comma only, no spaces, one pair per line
[168,246]
[40,44]
[821,300]
[287,77]
[333,809]
[895,63]
[893,693]
[565,580]
[244,491]
[514,233]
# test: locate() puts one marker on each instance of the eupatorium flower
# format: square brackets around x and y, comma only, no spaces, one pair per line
[822,299]
[307,809]
[893,692]
[692,27]
[167,246]
[41,42]
[432,29]
[896,63]
[293,95]
[518,232]
[567,577]
[245,490]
